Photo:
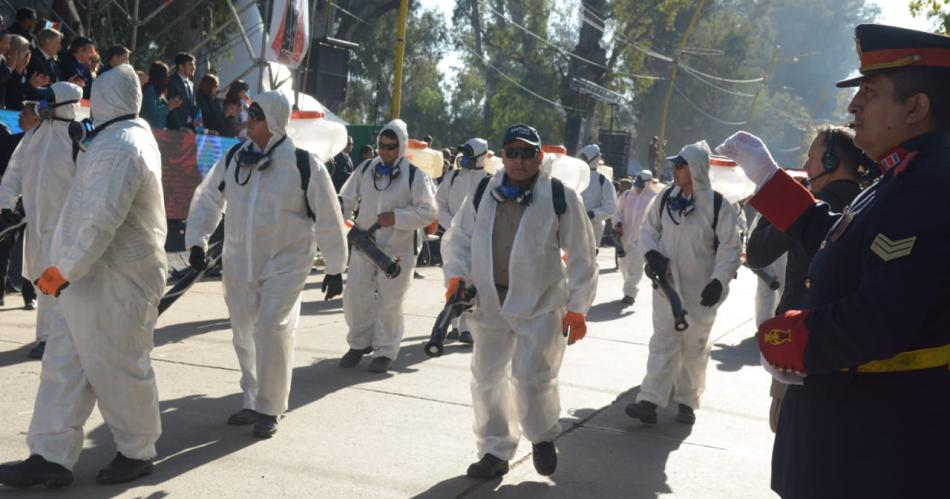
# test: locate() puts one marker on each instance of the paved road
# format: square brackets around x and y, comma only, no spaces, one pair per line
[408,433]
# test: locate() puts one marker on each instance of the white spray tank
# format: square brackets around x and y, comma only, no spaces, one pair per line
[311,131]
[426,159]
[729,179]
[571,171]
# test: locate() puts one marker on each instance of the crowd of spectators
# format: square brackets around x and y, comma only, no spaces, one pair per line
[34,55]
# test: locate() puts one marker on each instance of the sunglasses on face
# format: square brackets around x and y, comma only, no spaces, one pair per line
[387,147]
[520,152]
[255,113]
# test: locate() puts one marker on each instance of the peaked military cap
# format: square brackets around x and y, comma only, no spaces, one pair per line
[883,48]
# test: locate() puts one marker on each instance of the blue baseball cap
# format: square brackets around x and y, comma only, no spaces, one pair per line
[524,133]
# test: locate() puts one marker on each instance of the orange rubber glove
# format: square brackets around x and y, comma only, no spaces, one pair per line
[452,287]
[52,282]
[574,326]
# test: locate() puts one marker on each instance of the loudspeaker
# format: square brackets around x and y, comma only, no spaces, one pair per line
[328,70]
[615,149]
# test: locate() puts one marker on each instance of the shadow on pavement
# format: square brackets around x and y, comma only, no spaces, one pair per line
[177,333]
[731,358]
[604,454]
[194,430]
[608,311]
[16,356]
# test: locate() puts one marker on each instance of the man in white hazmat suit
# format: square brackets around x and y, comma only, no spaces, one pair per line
[270,238]
[600,198]
[698,252]
[455,187]
[400,198]
[108,249]
[530,304]
[631,207]
[41,172]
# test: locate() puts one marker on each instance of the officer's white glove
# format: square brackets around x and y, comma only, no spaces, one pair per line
[749,152]
[786,377]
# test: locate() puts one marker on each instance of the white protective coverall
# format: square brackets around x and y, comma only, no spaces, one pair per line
[599,196]
[109,245]
[519,345]
[631,207]
[372,303]
[455,187]
[678,359]
[269,245]
[41,170]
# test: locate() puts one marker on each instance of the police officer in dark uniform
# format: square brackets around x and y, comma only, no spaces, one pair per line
[869,350]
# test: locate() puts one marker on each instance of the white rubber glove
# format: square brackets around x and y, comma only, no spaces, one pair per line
[787,377]
[751,153]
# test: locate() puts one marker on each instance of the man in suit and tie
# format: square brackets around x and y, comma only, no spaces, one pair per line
[44,61]
[74,66]
[181,87]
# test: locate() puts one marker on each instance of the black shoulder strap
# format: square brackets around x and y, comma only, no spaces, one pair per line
[365,166]
[412,174]
[557,197]
[717,205]
[303,166]
[455,173]
[602,178]
[227,161]
[480,191]
[664,199]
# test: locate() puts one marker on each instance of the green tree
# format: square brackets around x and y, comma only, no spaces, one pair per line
[937,11]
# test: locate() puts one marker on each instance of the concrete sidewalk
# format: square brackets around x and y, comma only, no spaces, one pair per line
[351,433]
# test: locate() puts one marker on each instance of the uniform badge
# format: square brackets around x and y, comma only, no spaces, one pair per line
[776,337]
[888,250]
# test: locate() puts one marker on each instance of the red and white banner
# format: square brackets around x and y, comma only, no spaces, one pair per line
[289,32]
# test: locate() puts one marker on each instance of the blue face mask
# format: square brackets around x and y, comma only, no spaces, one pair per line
[249,158]
[681,203]
[639,183]
[510,192]
[467,162]
[383,170]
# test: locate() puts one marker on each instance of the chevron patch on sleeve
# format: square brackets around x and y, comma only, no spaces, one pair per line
[889,250]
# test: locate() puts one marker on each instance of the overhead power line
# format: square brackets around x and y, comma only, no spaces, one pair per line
[690,72]
[704,113]
[566,51]
[519,85]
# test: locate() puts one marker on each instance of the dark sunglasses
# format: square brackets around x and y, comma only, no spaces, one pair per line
[520,152]
[255,113]
[387,147]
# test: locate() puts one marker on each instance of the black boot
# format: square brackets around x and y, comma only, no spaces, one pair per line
[37,351]
[642,410]
[353,356]
[34,471]
[544,456]
[380,365]
[123,470]
[685,415]
[266,426]
[243,417]
[487,467]
[466,337]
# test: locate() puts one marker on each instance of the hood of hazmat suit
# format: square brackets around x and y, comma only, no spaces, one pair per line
[114,214]
[413,205]
[41,171]
[591,154]
[268,230]
[540,282]
[459,183]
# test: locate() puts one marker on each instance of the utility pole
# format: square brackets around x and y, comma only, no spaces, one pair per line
[765,79]
[400,53]
[660,147]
